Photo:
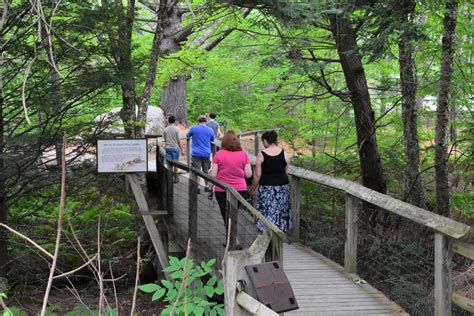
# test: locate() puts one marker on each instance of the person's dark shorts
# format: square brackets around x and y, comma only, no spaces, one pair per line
[201,163]
[172,153]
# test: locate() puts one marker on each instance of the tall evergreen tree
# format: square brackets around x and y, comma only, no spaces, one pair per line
[414,190]
[443,198]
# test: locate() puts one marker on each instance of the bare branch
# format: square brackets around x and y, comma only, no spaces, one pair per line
[27,239]
[75,270]
[59,229]
[137,280]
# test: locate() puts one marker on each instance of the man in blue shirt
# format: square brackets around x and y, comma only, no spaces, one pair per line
[202,137]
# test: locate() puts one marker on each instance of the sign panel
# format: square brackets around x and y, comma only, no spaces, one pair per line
[122,155]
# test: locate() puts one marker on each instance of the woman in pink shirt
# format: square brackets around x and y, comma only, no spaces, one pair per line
[230,165]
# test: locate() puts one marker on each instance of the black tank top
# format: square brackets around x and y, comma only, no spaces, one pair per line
[274,169]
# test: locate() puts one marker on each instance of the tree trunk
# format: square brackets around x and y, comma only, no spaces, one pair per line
[152,66]
[442,111]
[369,158]
[123,50]
[3,201]
[173,98]
[414,191]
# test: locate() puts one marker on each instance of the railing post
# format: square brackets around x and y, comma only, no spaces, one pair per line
[295,207]
[275,249]
[170,195]
[350,246]
[256,144]
[193,205]
[442,275]
[233,215]
[160,180]
[188,151]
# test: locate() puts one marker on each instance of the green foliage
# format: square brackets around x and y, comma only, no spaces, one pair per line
[463,203]
[7,311]
[83,211]
[188,289]
[11,311]
[82,310]
[79,310]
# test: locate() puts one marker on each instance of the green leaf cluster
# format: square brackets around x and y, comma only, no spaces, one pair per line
[189,291]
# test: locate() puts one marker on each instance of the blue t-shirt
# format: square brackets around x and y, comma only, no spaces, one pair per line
[202,138]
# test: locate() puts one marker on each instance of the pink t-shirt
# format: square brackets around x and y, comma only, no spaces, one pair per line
[231,166]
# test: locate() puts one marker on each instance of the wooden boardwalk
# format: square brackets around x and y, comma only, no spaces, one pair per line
[321,287]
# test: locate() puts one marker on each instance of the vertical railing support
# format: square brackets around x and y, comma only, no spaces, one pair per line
[188,151]
[275,249]
[170,195]
[193,205]
[160,180]
[350,247]
[295,207]
[256,144]
[442,275]
[233,215]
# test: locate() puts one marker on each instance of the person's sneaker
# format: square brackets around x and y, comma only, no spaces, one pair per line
[176,180]
[199,191]
[210,196]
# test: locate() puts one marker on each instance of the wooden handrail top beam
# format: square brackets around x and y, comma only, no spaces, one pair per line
[257,131]
[438,223]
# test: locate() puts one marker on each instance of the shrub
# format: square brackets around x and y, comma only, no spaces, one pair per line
[188,290]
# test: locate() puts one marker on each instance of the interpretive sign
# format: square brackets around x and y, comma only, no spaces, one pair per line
[122,155]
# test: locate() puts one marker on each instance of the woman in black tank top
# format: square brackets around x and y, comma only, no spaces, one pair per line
[271,171]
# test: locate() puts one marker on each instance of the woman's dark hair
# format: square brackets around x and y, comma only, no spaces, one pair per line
[212,115]
[271,137]
[171,119]
[231,142]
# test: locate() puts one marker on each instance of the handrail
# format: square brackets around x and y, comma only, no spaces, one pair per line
[438,223]
[257,131]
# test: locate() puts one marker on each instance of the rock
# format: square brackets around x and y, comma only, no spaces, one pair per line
[111,123]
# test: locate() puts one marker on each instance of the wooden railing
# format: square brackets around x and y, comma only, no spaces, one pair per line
[450,235]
